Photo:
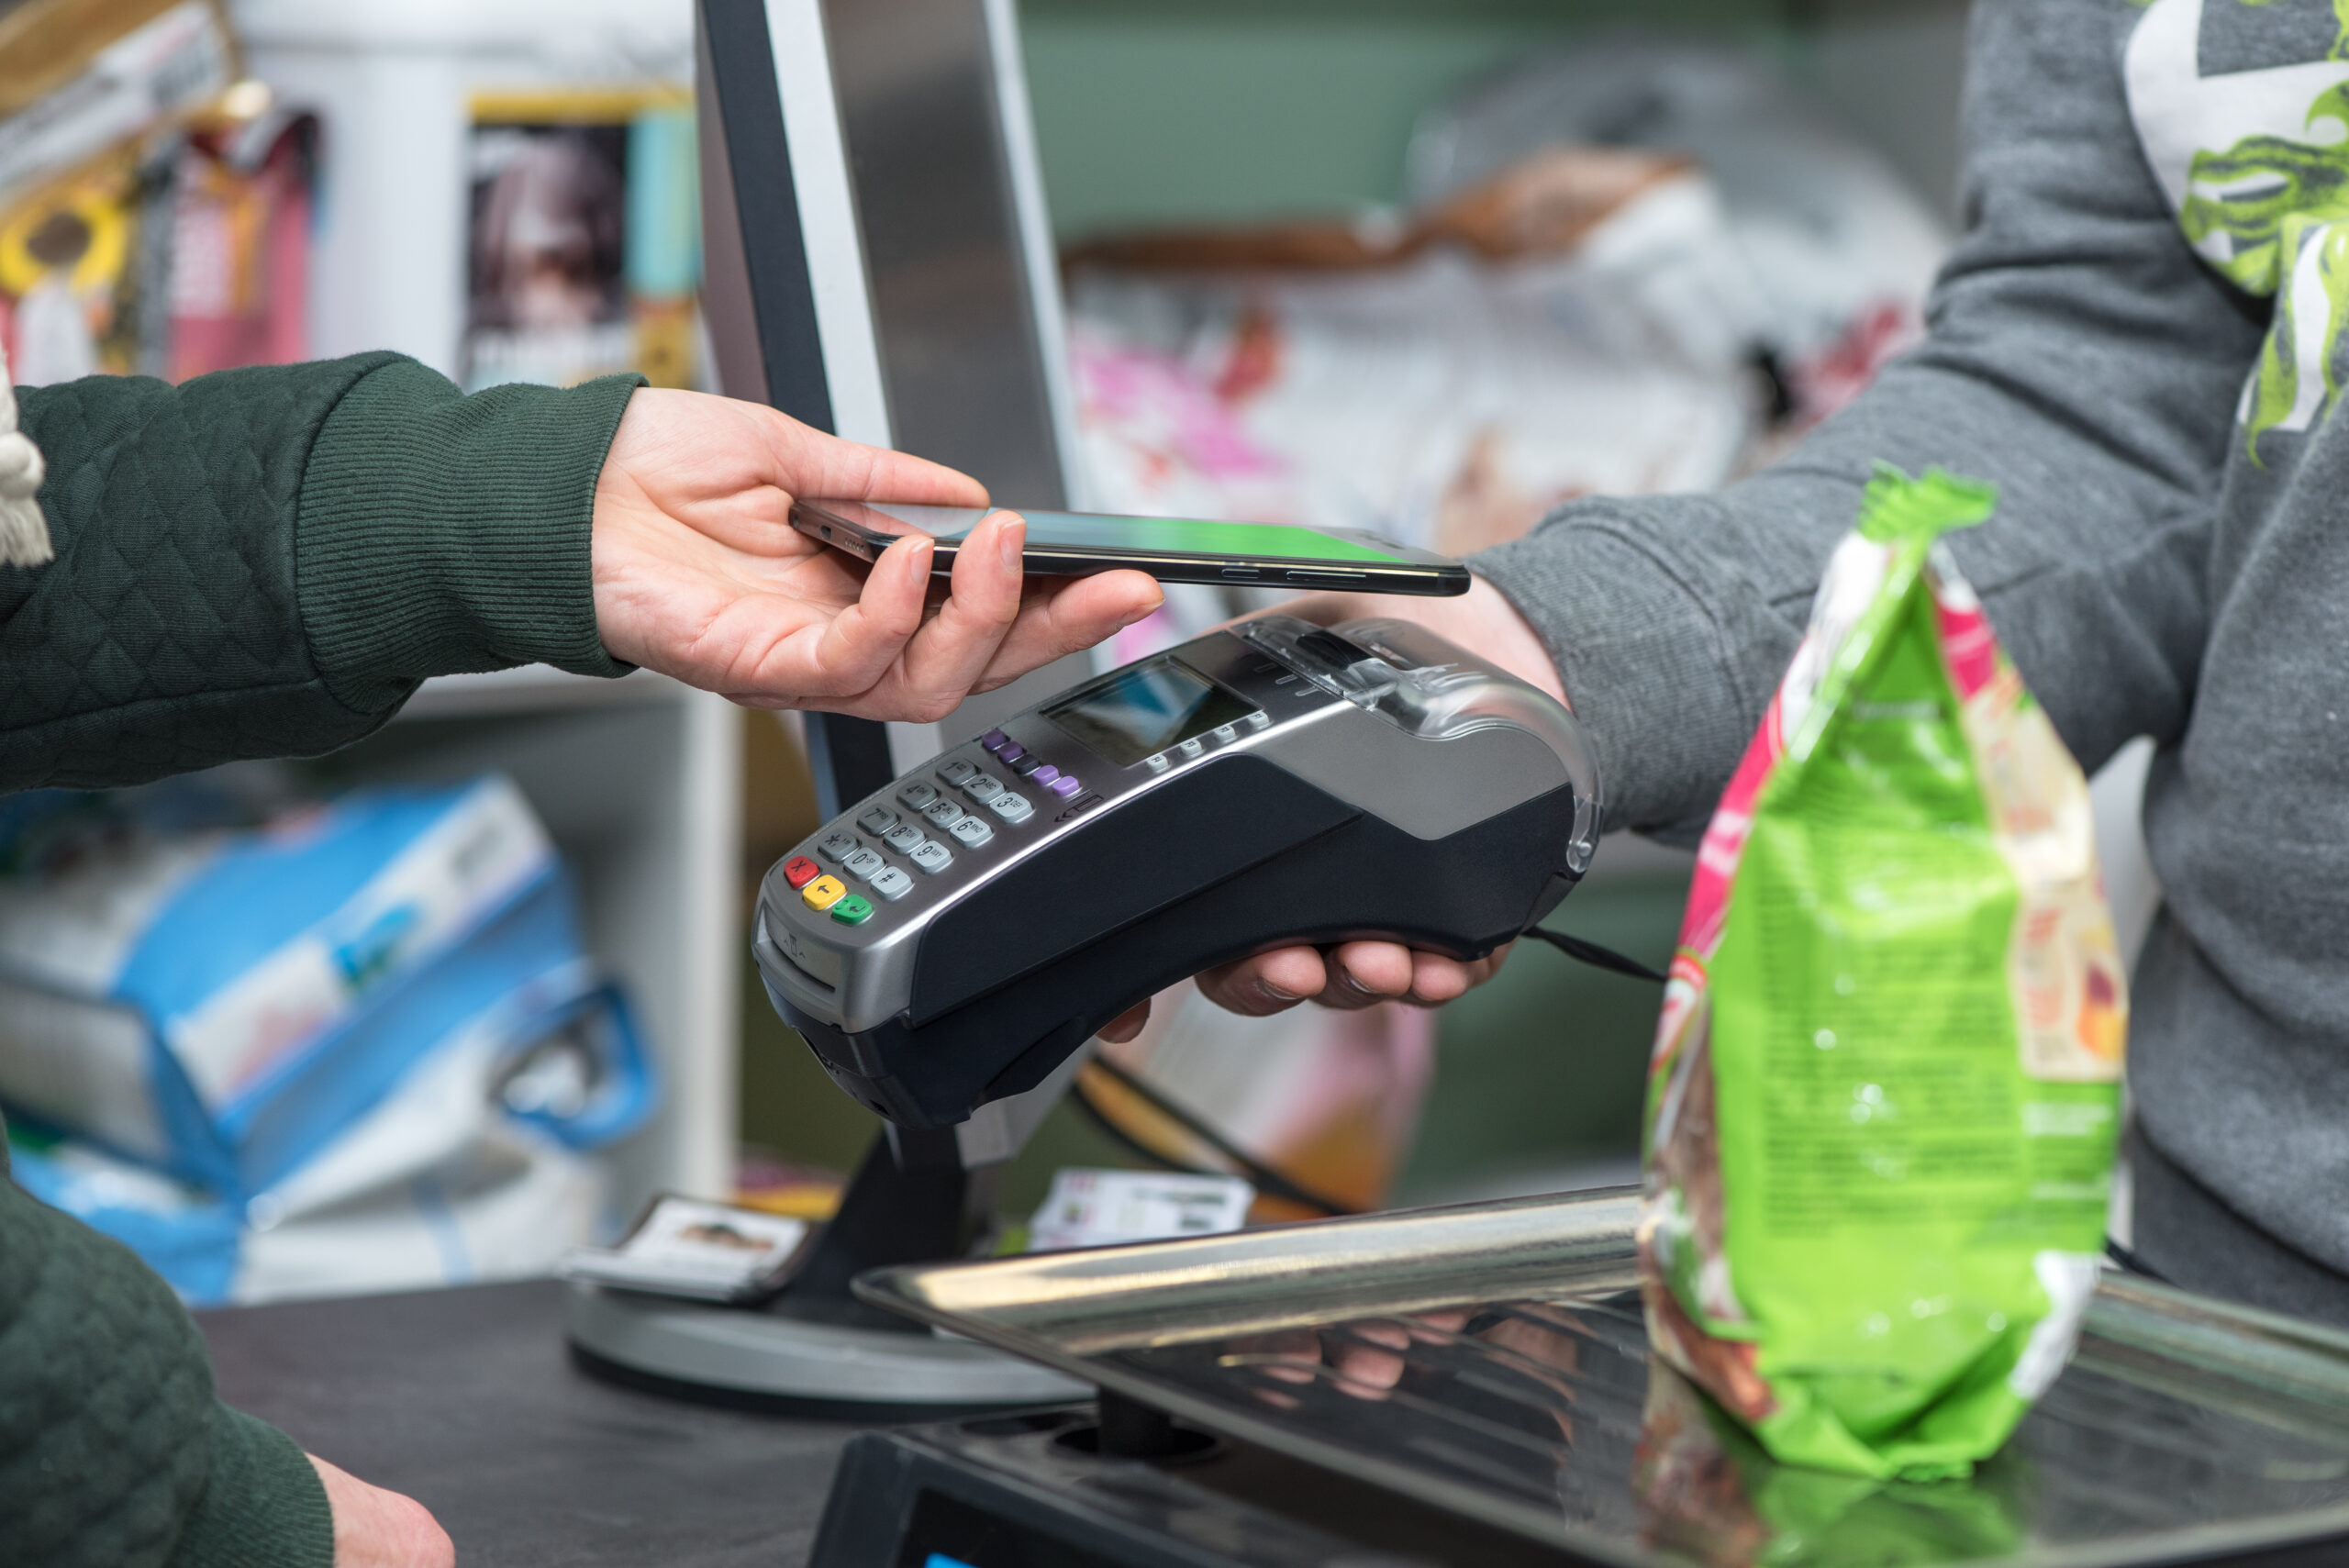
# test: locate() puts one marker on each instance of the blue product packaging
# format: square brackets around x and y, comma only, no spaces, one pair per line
[219,1003]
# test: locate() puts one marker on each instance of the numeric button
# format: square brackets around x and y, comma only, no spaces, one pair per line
[1011,807]
[955,772]
[863,865]
[942,814]
[878,820]
[970,832]
[983,787]
[933,857]
[918,795]
[905,837]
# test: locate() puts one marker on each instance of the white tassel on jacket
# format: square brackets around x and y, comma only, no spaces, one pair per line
[24,532]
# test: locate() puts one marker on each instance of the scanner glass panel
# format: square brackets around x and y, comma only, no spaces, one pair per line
[1155,705]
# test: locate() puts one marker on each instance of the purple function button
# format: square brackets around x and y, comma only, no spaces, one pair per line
[995,741]
[1066,785]
[1011,751]
[1045,776]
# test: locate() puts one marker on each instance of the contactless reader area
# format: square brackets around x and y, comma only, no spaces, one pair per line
[950,940]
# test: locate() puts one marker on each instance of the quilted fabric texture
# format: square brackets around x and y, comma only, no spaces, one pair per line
[167,633]
[114,1452]
[264,562]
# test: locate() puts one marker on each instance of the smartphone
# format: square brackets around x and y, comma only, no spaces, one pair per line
[1172,550]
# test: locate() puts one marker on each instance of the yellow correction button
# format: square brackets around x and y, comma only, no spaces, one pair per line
[823,892]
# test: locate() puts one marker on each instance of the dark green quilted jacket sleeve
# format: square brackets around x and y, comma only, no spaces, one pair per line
[264,562]
[114,1452]
[259,563]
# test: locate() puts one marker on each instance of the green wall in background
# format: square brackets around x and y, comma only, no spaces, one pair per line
[1148,114]
[1157,111]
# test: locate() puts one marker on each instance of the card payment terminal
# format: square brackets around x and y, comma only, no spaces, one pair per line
[950,940]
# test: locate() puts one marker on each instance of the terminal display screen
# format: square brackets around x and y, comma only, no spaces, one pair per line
[1145,709]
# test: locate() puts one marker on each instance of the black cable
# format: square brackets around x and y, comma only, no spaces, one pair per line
[2130,1262]
[1267,1180]
[1106,1126]
[1595,956]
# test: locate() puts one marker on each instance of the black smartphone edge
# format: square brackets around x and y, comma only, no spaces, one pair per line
[1429,581]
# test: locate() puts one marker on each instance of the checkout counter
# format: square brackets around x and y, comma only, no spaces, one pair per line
[1443,1388]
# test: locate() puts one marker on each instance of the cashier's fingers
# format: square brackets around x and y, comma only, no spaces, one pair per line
[375,1529]
[1267,984]
[1126,1025]
[1355,975]
[1366,974]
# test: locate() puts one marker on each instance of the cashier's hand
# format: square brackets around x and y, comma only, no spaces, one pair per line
[375,1529]
[699,574]
[1359,974]
[1350,975]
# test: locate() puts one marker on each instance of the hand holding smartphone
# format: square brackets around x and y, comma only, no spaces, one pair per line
[1172,549]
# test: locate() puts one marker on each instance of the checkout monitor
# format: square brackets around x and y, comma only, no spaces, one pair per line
[879,264]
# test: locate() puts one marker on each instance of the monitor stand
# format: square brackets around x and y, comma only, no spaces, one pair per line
[814,1349]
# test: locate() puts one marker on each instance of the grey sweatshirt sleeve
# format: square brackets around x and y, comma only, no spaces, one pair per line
[2079,355]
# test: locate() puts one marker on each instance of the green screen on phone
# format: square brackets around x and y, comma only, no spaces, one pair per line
[1183,536]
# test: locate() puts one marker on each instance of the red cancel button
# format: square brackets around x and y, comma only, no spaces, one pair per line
[799,871]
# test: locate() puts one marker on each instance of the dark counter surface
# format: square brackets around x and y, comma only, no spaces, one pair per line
[467,1400]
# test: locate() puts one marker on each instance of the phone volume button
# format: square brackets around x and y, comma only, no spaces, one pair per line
[1325,577]
[1242,574]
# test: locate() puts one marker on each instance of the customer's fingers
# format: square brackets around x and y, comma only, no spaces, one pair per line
[1068,617]
[946,656]
[855,649]
[375,1529]
[816,466]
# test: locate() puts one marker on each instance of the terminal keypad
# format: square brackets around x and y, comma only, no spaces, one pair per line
[927,803]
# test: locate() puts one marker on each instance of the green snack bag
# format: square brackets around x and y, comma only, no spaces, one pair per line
[1883,1102]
